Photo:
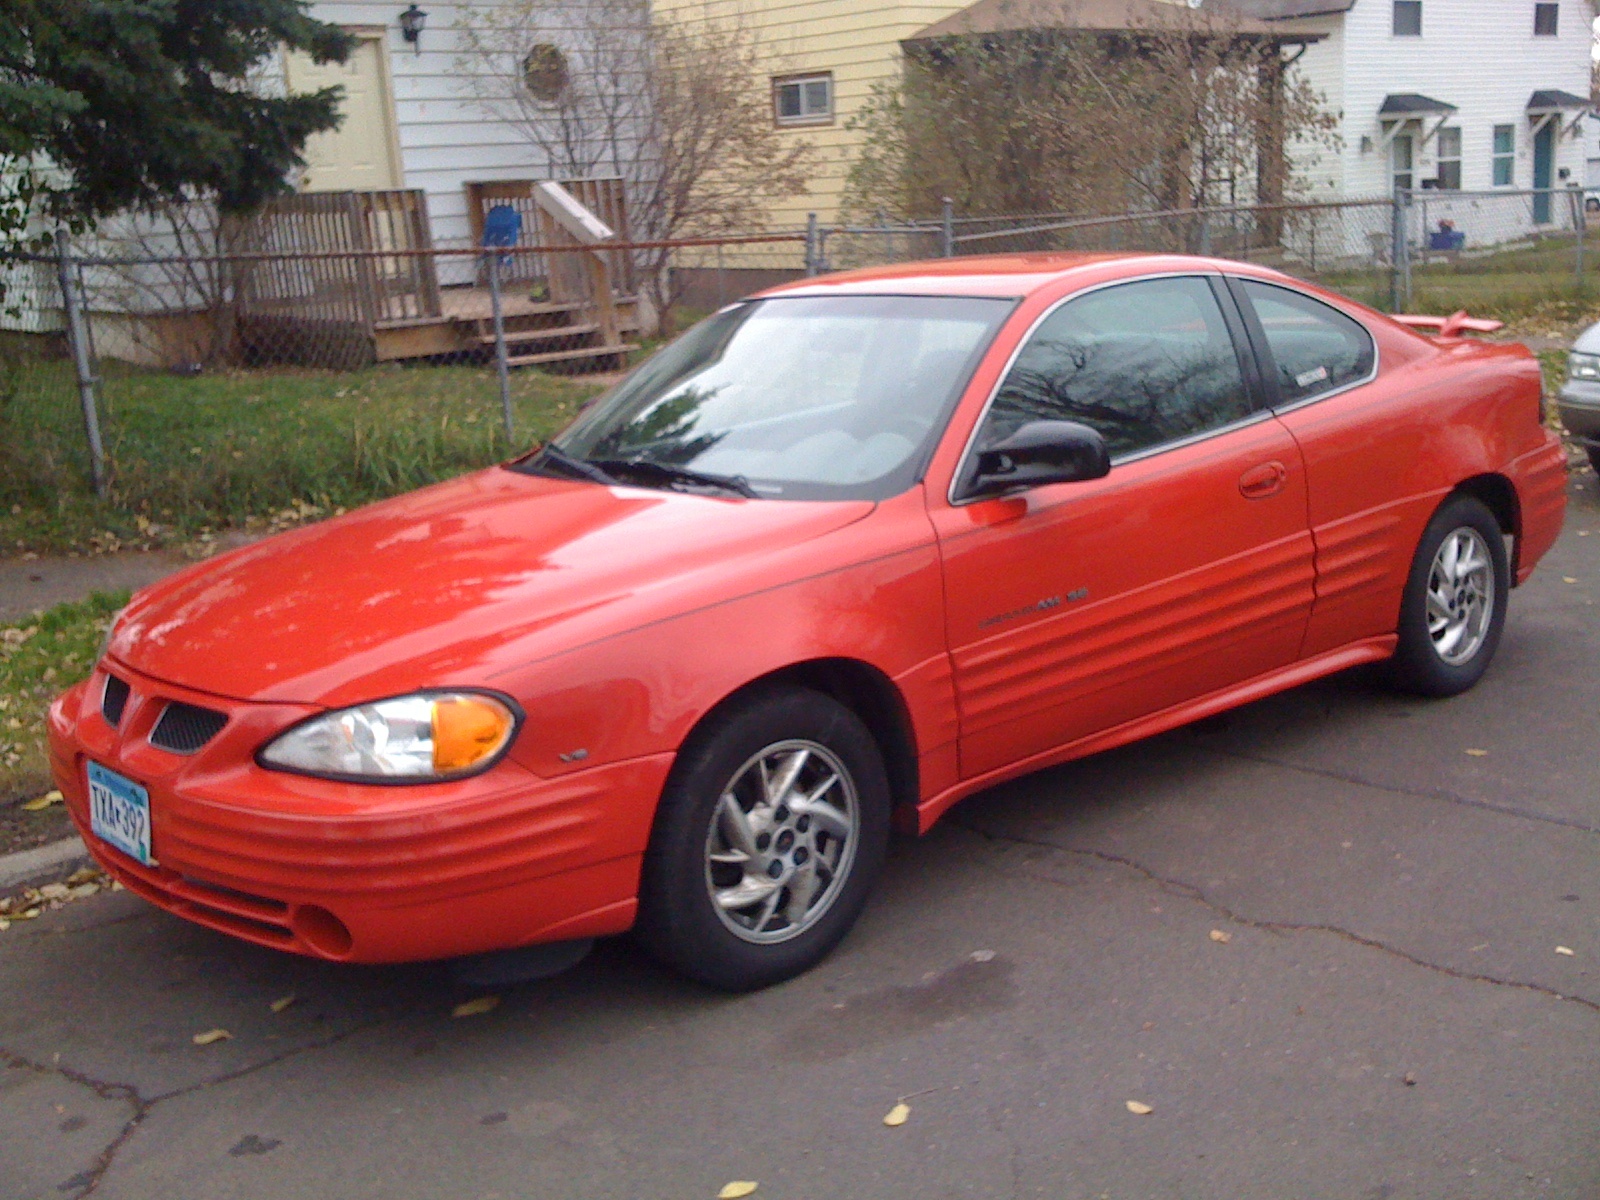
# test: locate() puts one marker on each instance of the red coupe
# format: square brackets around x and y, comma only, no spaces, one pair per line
[844,553]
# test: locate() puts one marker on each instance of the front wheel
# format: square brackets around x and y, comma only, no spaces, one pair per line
[1454,606]
[772,829]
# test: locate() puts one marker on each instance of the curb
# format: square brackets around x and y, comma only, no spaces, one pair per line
[28,867]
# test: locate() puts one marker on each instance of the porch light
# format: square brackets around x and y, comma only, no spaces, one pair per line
[411,24]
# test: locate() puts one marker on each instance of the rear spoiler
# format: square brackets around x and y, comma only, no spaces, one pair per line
[1452,326]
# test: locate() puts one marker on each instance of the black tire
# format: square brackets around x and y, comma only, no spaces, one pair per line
[680,923]
[1427,662]
[1594,458]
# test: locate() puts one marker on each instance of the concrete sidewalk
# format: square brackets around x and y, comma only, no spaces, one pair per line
[29,584]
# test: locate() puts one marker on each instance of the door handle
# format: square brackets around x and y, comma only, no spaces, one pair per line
[1266,480]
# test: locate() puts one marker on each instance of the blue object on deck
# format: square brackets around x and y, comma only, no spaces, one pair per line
[1447,239]
[502,226]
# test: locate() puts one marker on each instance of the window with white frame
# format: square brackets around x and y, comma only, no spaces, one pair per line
[1407,18]
[803,99]
[1450,159]
[1505,155]
[1546,20]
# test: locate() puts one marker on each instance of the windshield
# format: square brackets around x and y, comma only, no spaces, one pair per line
[803,398]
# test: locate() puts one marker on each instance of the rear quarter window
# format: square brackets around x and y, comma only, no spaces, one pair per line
[1315,348]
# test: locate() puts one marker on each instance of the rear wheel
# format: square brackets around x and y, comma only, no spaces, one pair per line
[771,832]
[1594,458]
[1453,609]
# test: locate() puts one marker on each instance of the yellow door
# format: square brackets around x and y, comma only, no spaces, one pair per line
[360,155]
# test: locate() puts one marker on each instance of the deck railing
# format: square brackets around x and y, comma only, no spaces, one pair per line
[363,290]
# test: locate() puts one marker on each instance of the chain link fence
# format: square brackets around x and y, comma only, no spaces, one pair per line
[281,379]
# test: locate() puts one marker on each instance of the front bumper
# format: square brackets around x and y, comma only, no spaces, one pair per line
[358,872]
[1579,406]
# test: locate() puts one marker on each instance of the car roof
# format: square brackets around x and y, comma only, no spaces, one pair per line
[1010,276]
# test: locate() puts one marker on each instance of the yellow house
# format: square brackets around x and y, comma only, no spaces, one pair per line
[826,55]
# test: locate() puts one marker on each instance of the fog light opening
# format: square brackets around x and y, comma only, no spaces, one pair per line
[321,930]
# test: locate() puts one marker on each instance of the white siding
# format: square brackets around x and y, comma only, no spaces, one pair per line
[446,140]
[1317,169]
[1480,55]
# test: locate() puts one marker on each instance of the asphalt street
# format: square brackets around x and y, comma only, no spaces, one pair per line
[1316,937]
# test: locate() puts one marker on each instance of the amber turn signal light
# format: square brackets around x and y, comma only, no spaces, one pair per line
[466,730]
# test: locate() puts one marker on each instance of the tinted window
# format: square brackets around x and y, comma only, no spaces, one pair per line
[1316,348]
[1143,363]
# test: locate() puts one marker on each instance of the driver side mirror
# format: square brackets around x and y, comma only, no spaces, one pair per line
[1038,453]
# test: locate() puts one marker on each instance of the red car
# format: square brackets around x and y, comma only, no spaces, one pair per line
[841,555]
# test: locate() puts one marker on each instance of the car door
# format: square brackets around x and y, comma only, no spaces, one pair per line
[1075,607]
[1361,443]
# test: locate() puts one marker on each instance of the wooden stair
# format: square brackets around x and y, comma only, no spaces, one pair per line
[567,333]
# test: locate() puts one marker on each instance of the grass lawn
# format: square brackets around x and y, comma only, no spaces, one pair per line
[39,658]
[190,455]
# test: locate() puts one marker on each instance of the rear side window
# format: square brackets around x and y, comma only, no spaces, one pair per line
[1143,363]
[1316,348]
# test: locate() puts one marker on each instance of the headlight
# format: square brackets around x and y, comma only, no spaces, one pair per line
[428,736]
[1583,366]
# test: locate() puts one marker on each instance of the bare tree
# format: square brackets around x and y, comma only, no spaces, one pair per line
[679,110]
[1056,118]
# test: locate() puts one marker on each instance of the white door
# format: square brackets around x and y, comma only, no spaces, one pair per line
[360,154]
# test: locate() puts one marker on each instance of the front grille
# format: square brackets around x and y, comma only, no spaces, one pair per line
[114,700]
[184,728]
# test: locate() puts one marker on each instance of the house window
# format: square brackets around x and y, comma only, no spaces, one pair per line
[1450,159]
[1505,155]
[803,99]
[1546,19]
[1407,18]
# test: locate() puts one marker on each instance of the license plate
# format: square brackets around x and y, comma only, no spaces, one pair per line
[119,813]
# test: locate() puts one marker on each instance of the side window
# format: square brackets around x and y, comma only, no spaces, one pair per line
[1142,363]
[1316,347]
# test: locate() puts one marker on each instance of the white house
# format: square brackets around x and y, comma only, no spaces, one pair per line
[411,121]
[1472,95]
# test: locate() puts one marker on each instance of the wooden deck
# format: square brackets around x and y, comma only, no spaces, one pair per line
[306,301]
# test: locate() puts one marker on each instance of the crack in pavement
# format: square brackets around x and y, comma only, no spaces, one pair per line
[1397,789]
[88,1181]
[1192,892]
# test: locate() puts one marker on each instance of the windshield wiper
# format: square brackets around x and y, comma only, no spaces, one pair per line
[645,468]
[568,465]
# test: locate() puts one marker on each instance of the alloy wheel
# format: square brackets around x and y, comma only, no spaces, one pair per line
[782,841]
[1461,596]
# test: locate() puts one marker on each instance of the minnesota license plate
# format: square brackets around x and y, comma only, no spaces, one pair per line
[119,813]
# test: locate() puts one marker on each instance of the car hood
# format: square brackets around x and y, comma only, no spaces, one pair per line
[449,585]
[1588,342]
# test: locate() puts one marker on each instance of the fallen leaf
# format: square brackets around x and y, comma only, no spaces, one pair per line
[209,1036]
[1218,935]
[982,956]
[483,1004]
[1410,1080]
[1568,579]
[739,1187]
[898,1114]
[1478,753]
[283,1002]
[42,803]
[1567,950]
[4,924]
[1138,1109]
[85,875]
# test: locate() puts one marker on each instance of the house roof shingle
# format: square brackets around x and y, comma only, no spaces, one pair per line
[1009,16]
[1284,10]
[1555,100]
